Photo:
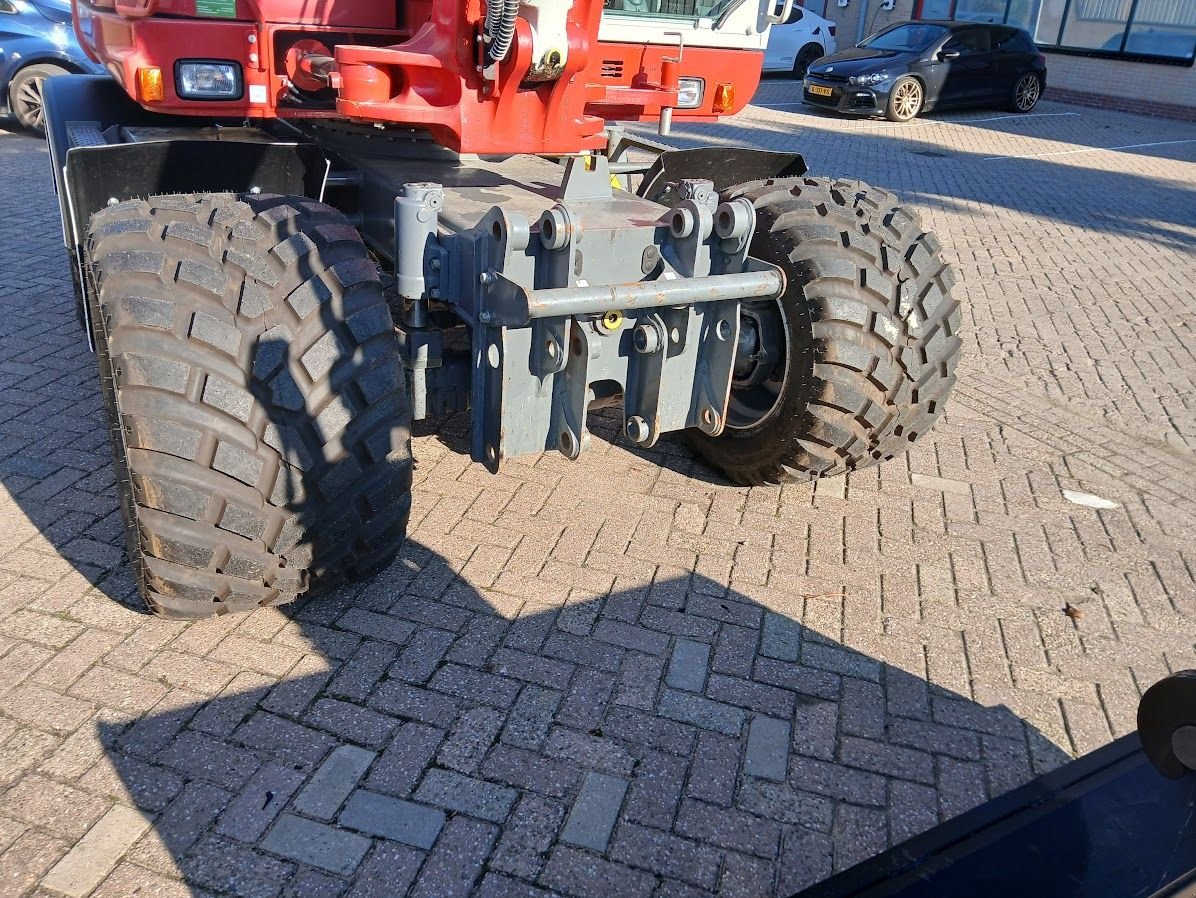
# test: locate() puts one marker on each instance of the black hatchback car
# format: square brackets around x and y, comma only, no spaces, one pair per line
[913,67]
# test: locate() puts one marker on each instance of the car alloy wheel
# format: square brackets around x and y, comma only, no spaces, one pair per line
[907,100]
[28,102]
[1026,94]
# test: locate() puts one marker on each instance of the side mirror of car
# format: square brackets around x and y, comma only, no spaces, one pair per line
[948,54]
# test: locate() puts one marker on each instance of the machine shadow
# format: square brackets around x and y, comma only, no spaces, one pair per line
[748,754]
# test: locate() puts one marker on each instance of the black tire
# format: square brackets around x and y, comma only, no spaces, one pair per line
[259,413]
[870,335]
[805,58]
[1026,93]
[25,95]
[906,99]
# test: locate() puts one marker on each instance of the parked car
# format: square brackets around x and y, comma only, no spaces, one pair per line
[794,44]
[36,43]
[913,67]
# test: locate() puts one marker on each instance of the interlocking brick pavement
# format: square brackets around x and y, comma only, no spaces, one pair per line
[623,676]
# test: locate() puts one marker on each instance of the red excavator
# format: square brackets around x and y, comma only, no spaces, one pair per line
[296,227]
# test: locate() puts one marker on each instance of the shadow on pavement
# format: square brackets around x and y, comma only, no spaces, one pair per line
[430,738]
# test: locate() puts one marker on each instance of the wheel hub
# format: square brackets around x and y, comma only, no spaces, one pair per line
[759,373]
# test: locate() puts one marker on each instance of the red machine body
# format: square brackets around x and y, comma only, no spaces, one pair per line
[419,64]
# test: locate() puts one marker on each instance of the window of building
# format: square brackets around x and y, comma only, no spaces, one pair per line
[1150,30]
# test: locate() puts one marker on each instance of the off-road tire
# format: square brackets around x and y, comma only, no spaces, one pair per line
[259,414]
[872,333]
[25,99]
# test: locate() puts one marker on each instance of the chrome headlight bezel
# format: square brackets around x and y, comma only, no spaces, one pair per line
[187,71]
[869,80]
[690,92]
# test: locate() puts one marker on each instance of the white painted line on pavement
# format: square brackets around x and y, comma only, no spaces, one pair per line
[999,118]
[1128,146]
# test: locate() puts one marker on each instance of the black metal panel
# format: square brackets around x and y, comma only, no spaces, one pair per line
[1105,826]
[725,166]
[87,177]
[95,175]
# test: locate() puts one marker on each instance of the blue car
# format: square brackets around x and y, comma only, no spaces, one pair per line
[36,43]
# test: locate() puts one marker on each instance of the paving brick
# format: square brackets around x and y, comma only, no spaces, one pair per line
[767,748]
[392,818]
[571,871]
[467,795]
[197,755]
[389,870]
[531,717]
[702,712]
[288,742]
[667,855]
[688,665]
[784,804]
[222,865]
[527,837]
[93,857]
[316,844]
[728,828]
[332,783]
[179,826]
[351,722]
[413,703]
[259,802]
[596,752]
[129,879]
[457,860]
[474,686]
[530,771]
[399,768]
[903,615]
[62,809]
[594,812]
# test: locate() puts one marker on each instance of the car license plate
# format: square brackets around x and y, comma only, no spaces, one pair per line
[820,90]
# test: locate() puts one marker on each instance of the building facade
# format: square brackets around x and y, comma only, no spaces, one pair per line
[1123,54]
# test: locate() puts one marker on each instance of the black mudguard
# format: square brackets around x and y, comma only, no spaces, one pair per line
[725,166]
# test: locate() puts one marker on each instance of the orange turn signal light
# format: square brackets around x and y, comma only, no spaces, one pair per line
[724,97]
[149,85]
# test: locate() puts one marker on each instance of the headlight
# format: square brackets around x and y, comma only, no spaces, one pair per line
[867,80]
[689,93]
[204,80]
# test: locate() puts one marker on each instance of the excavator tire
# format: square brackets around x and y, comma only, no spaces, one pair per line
[865,338]
[259,414]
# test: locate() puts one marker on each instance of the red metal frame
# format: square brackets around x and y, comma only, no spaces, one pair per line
[421,71]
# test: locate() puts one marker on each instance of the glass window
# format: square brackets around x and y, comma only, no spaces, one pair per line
[668,9]
[1155,40]
[1022,13]
[1096,24]
[969,42]
[936,9]
[980,10]
[818,7]
[1050,18]
[906,38]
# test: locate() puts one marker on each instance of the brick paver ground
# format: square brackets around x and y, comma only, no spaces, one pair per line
[623,676]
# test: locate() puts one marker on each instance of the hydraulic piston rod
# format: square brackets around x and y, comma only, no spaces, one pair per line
[563,301]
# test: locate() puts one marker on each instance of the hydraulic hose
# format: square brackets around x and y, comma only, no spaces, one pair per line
[500,27]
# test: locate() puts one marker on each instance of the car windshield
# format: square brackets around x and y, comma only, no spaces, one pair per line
[905,38]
